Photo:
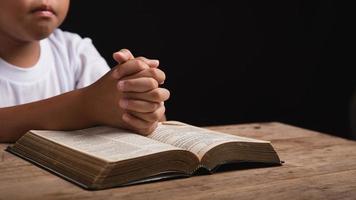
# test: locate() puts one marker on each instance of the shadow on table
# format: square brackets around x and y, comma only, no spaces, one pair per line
[238,166]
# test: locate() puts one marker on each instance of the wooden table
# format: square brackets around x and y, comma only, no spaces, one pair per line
[317,166]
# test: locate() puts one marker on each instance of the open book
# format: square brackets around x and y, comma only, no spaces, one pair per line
[103,157]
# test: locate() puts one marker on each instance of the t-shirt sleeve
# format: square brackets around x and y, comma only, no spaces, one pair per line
[89,65]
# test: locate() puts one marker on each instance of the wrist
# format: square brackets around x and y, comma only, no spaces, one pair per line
[87,106]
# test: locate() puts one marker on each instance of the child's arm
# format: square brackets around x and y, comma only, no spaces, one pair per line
[62,112]
[89,106]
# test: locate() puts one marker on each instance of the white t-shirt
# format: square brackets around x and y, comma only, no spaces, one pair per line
[66,62]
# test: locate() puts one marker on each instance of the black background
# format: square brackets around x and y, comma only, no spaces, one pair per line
[236,61]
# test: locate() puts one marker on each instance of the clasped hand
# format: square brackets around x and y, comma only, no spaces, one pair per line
[129,96]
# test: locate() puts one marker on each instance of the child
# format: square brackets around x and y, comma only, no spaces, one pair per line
[51,79]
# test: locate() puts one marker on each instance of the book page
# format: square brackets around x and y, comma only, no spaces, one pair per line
[192,138]
[107,143]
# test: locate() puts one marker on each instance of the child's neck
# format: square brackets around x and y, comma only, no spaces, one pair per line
[21,54]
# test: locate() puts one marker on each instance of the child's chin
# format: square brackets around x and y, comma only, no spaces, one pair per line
[41,33]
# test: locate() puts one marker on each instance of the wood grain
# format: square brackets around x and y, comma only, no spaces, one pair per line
[317,166]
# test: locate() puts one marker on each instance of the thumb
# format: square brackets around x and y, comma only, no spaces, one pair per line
[122,56]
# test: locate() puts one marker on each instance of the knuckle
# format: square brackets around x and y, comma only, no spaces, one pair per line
[153,72]
[153,107]
[155,116]
[156,95]
[152,83]
[160,94]
[128,84]
[142,125]
[142,65]
[156,106]
[143,59]
[158,74]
